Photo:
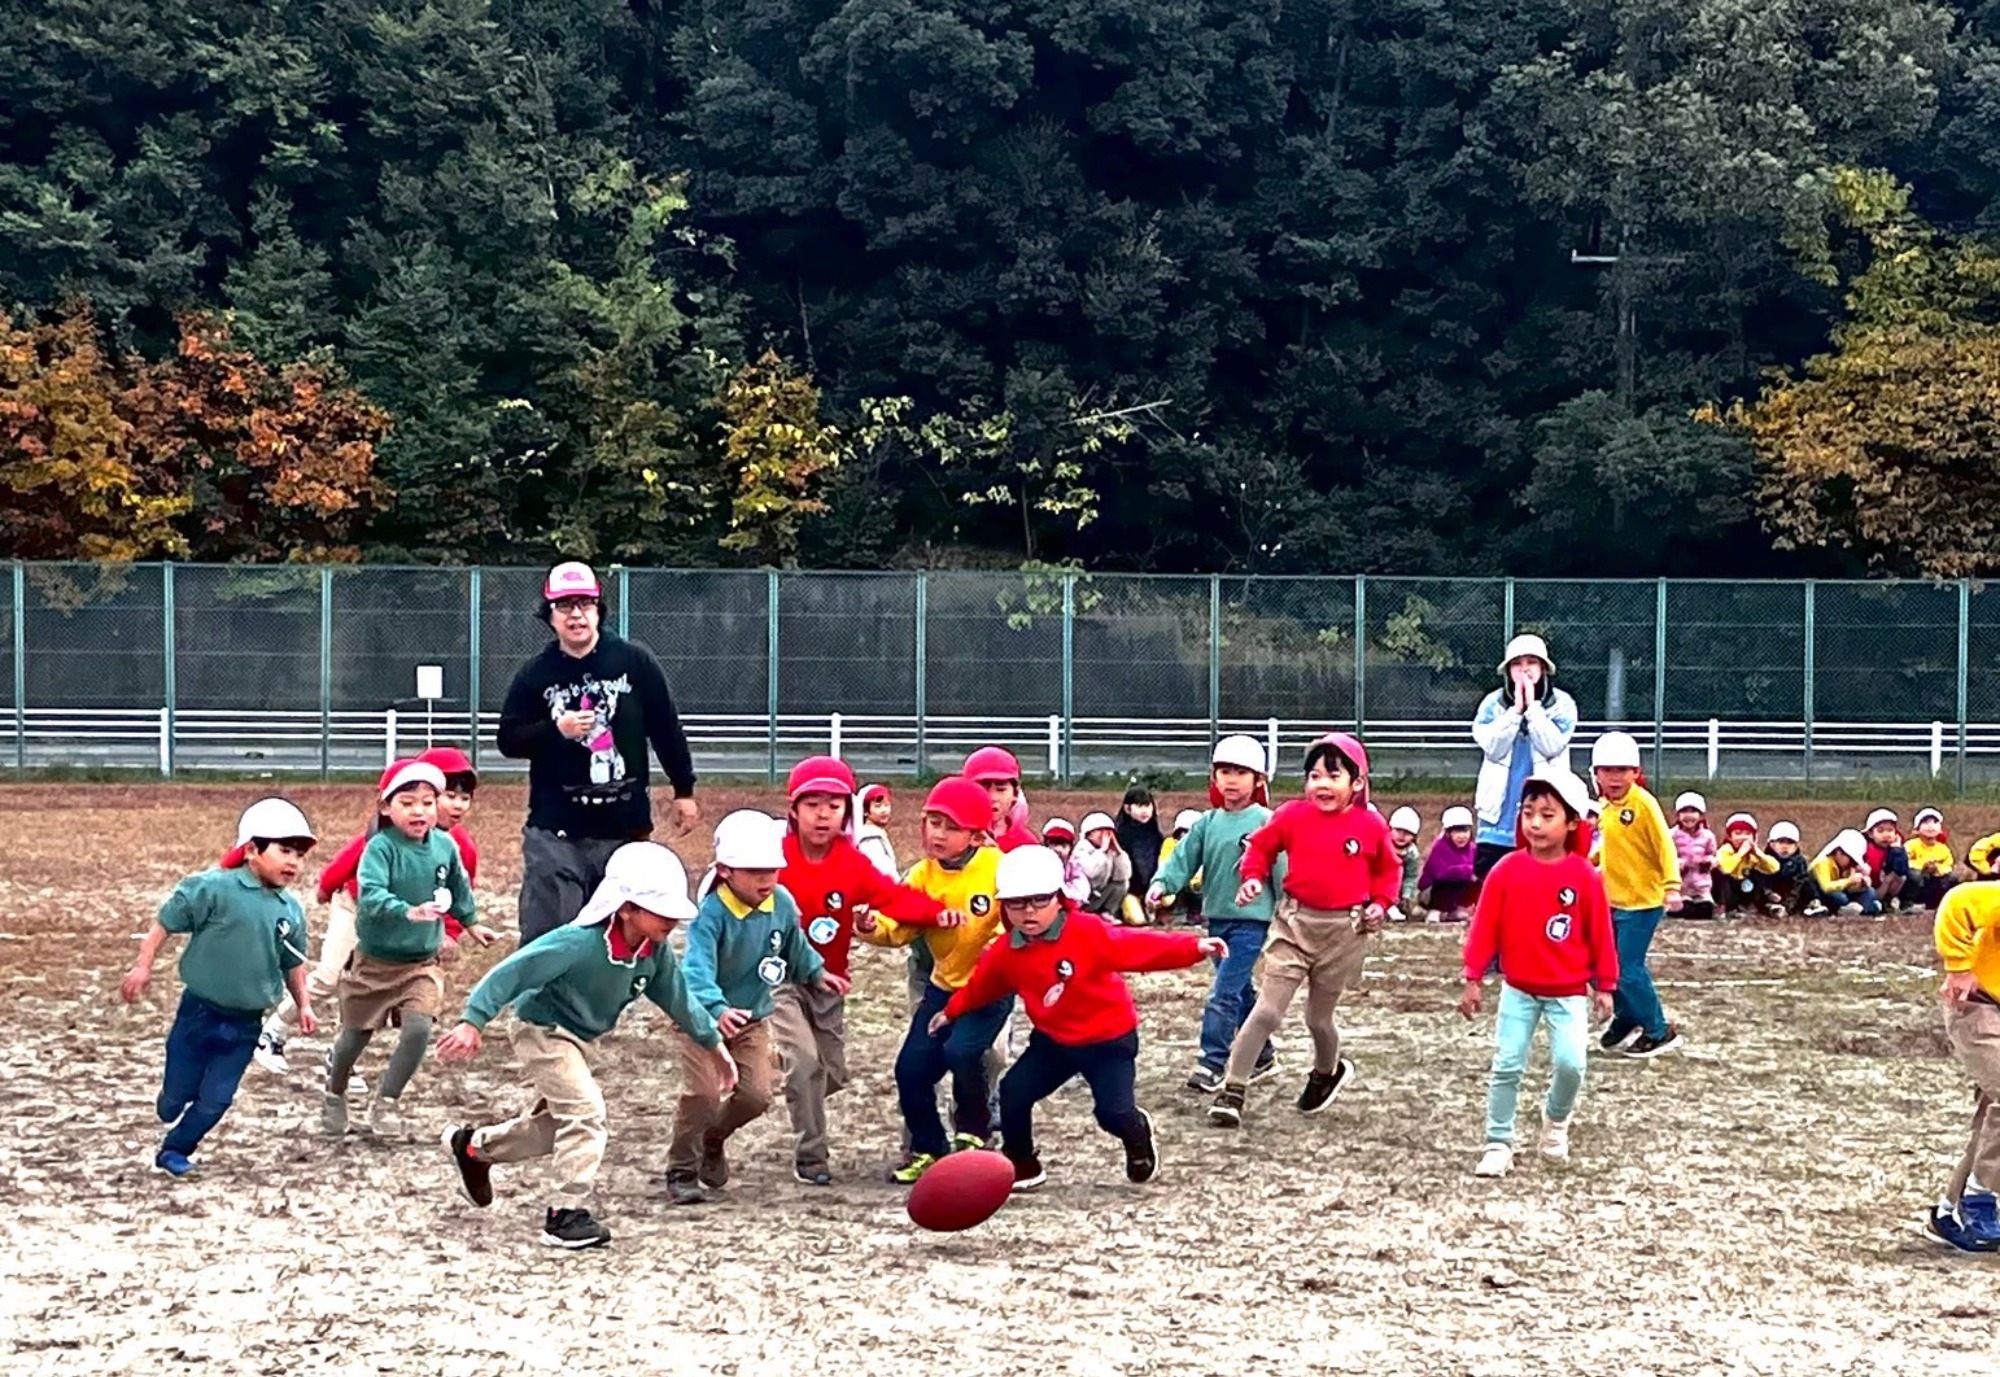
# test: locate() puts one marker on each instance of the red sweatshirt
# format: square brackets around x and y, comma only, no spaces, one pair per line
[828,891]
[1332,860]
[1550,925]
[1017,834]
[1068,978]
[343,872]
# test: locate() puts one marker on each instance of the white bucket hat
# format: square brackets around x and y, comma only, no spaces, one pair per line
[1455,818]
[1574,793]
[1785,831]
[1692,800]
[1406,819]
[1614,750]
[272,819]
[1849,843]
[642,873]
[750,840]
[1028,872]
[1527,644]
[1244,752]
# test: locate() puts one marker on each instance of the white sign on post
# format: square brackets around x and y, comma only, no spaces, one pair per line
[430,688]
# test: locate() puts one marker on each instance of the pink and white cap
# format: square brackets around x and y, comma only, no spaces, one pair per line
[404,773]
[570,579]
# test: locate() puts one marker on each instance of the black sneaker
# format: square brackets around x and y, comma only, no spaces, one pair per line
[574,1229]
[1264,1070]
[1204,1079]
[1646,1047]
[475,1178]
[1028,1175]
[812,1176]
[684,1189]
[1615,1041]
[713,1168]
[1142,1159]
[1227,1111]
[1322,1089]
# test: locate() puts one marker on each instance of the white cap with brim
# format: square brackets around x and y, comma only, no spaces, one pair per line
[1571,789]
[1614,751]
[1028,872]
[1527,644]
[1186,818]
[1785,831]
[643,873]
[1059,827]
[1691,800]
[1849,843]
[1094,821]
[1737,820]
[570,579]
[273,819]
[414,772]
[1244,752]
[750,840]
[1925,815]
[1455,818]
[1405,819]
[1880,815]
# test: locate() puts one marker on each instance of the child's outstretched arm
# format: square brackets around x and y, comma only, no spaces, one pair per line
[891,898]
[1482,941]
[1260,854]
[141,975]
[1150,949]
[988,983]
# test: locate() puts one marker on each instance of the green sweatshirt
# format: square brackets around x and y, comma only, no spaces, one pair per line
[736,956]
[569,979]
[398,874]
[1213,849]
[242,938]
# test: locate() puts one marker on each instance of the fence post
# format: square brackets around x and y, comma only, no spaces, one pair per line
[1360,661]
[20,667]
[1806,696]
[1271,746]
[833,735]
[1068,678]
[326,672]
[923,668]
[1214,657]
[1055,745]
[1714,747]
[1964,669]
[1507,608]
[168,651]
[389,738]
[624,603]
[474,595]
[770,671]
[1660,680]
[1937,748]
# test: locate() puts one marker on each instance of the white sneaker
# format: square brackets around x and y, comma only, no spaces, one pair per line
[333,1115]
[1497,1160]
[383,1119]
[1555,1140]
[270,1054]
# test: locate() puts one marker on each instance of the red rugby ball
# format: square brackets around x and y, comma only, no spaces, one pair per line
[962,1190]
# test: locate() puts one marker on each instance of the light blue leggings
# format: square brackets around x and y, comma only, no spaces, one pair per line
[1514,1033]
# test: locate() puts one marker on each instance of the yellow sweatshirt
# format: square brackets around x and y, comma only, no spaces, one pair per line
[1826,873]
[1981,857]
[955,951]
[1752,860]
[1637,855]
[1968,932]
[1929,857]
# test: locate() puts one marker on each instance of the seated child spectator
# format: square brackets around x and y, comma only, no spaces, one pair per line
[1404,824]
[1695,845]
[1187,904]
[1140,838]
[1888,859]
[872,836]
[1105,864]
[1747,869]
[1790,881]
[1931,862]
[1838,878]
[1446,886]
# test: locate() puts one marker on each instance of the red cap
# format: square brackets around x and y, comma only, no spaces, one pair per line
[963,801]
[871,792]
[1349,745]
[991,764]
[820,774]
[450,761]
[402,773]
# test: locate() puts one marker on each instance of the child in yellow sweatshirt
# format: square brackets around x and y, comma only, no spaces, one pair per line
[1931,861]
[1967,934]
[1642,879]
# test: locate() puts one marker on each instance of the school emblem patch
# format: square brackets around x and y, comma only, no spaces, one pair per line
[776,941]
[771,970]
[981,905]
[822,930]
[639,985]
[1558,927]
[835,900]
[1065,968]
[1625,815]
[1352,846]
[1565,896]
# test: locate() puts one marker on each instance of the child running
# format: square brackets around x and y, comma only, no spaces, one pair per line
[1931,861]
[246,944]
[1065,965]
[1747,871]
[1967,935]
[836,890]
[411,880]
[1341,876]
[745,944]
[1543,914]
[1695,852]
[1642,879]
[958,871]
[568,989]
[998,772]
[1448,883]
[1213,849]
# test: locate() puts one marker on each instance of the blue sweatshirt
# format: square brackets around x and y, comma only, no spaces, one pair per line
[737,956]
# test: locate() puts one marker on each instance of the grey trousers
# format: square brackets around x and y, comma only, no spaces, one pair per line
[558,875]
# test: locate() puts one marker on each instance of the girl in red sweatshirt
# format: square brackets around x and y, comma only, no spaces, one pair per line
[1342,873]
[1543,914]
[1065,965]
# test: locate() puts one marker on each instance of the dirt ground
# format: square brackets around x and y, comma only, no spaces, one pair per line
[1748,1207]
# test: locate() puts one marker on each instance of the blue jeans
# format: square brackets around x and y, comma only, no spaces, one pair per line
[1865,898]
[960,1052]
[1230,998]
[208,1049]
[1109,1068]
[1635,1003]
[1514,1036]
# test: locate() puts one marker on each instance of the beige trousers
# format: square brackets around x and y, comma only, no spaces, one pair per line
[1321,949]
[703,1108]
[809,1027]
[564,1118]
[1974,1030]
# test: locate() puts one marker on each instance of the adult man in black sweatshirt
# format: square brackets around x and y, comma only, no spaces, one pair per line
[581,713]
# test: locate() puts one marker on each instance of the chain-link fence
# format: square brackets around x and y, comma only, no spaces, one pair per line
[290,668]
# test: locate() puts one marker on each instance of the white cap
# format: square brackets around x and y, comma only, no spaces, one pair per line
[1785,831]
[1186,818]
[1614,750]
[1028,872]
[1245,752]
[1527,644]
[1851,844]
[413,772]
[750,840]
[1574,793]
[1455,817]
[1405,819]
[272,819]
[572,579]
[1692,800]
[1927,814]
[1739,820]
[1093,821]
[642,873]
[1879,815]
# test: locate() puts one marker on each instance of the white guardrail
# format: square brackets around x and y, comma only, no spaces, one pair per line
[177,741]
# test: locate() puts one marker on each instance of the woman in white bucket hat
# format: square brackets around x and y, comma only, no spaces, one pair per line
[1526,722]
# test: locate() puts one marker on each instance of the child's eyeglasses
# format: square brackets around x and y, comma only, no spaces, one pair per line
[1029,904]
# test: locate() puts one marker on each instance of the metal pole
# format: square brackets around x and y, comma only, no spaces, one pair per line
[325,672]
[1659,678]
[625,603]
[1507,608]
[1360,653]
[474,595]
[20,667]
[1069,676]
[770,669]
[1214,657]
[1964,669]
[1806,697]
[923,667]
[168,650]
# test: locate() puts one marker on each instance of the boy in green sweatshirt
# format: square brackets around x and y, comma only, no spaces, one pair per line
[745,942]
[1213,848]
[568,989]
